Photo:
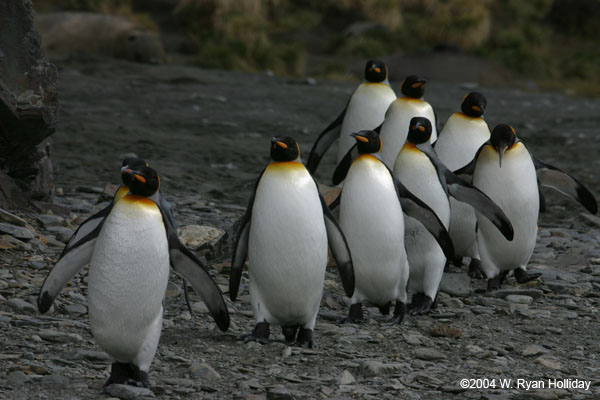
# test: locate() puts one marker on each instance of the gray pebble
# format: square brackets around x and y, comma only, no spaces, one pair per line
[425,353]
[76,309]
[126,392]
[204,372]
[279,392]
[21,305]
[520,299]
[56,380]
[50,220]
[11,218]
[534,350]
[59,337]
[18,232]
[62,234]
[17,378]
[346,378]
[458,285]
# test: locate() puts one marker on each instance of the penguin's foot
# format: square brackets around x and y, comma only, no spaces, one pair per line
[355,315]
[289,332]
[421,304]
[522,276]
[495,283]
[475,270]
[305,338]
[127,374]
[260,334]
[399,313]
[384,309]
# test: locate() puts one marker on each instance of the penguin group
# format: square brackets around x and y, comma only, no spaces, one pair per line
[411,200]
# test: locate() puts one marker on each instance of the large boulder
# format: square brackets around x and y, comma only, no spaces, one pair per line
[28,108]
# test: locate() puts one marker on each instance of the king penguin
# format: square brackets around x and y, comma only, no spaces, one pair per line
[365,110]
[128,274]
[420,170]
[460,138]
[505,170]
[371,205]
[284,235]
[398,115]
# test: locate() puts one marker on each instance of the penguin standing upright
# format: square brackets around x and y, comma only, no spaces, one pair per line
[398,115]
[371,204]
[419,169]
[365,110]
[504,169]
[284,234]
[132,248]
[460,138]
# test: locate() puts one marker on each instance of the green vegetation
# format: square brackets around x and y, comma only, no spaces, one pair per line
[553,42]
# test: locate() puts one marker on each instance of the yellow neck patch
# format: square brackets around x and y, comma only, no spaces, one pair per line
[138,200]
[285,165]
[121,191]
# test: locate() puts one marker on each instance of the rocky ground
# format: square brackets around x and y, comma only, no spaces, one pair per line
[207,133]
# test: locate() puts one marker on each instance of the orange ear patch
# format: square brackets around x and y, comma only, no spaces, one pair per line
[281,144]
[362,139]
[416,85]
[139,178]
[377,69]
[422,128]
[475,108]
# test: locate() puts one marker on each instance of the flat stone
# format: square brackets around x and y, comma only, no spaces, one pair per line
[126,392]
[92,355]
[18,232]
[519,299]
[11,218]
[534,350]
[428,354]
[502,293]
[8,242]
[62,233]
[458,285]
[76,309]
[17,378]
[19,304]
[445,330]
[55,380]
[204,372]
[196,236]
[377,368]
[549,362]
[59,337]
[279,392]
[50,220]
[346,378]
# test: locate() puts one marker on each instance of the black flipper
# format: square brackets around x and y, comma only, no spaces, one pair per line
[551,176]
[339,249]
[416,208]
[542,198]
[186,264]
[467,193]
[240,249]
[76,255]
[324,141]
[342,168]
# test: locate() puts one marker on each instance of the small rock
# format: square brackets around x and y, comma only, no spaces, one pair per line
[519,299]
[56,380]
[20,305]
[549,362]
[50,220]
[59,337]
[204,372]
[346,378]
[279,392]
[18,232]
[62,233]
[92,355]
[458,285]
[453,302]
[502,293]
[286,352]
[197,236]
[127,392]
[76,309]
[11,218]
[445,330]
[17,378]
[8,242]
[425,353]
[534,350]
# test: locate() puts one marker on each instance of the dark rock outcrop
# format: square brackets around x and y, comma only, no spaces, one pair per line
[28,108]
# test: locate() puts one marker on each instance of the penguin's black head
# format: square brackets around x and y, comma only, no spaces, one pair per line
[474,104]
[142,181]
[503,136]
[284,149]
[131,163]
[367,142]
[413,86]
[419,130]
[376,71]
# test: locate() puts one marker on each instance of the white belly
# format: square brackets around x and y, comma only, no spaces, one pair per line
[287,246]
[366,110]
[456,146]
[425,257]
[128,276]
[460,139]
[395,128]
[514,189]
[372,221]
